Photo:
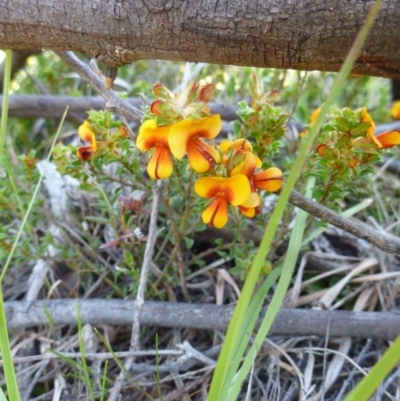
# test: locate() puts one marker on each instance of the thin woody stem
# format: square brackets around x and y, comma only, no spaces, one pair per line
[139,302]
[386,242]
[112,99]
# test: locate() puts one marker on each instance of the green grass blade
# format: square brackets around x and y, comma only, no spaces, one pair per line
[9,372]
[279,295]
[31,203]
[381,369]
[251,320]
[2,395]
[104,381]
[6,94]
[84,366]
[235,329]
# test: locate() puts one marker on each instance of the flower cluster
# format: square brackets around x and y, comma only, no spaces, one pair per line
[180,125]
[88,133]
[349,138]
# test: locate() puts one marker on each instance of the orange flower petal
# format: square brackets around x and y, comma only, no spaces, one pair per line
[183,132]
[202,157]
[235,189]
[248,211]
[269,180]
[352,162]
[160,165]
[322,149]
[388,139]
[86,133]
[216,215]
[151,136]
[84,152]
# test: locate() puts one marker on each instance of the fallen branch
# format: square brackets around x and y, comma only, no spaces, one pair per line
[290,322]
[53,106]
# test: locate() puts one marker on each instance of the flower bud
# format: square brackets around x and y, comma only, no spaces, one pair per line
[205,93]
[160,91]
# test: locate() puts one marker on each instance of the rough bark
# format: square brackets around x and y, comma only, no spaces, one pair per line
[298,34]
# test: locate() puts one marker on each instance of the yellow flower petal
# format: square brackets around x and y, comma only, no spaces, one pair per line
[224,146]
[235,189]
[366,118]
[160,165]
[388,139]
[183,132]
[216,215]
[151,136]
[246,166]
[269,180]
[242,145]
[252,201]
[395,111]
[202,157]
[86,133]
[314,115]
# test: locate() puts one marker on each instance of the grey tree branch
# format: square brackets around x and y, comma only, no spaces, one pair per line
[112,99]
[291,322]
[386,242]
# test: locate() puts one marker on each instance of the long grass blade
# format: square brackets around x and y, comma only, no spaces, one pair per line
[9,372]
[279,295]
[377,374]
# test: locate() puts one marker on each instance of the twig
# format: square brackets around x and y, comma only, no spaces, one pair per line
[382,240]
[138,305]
[291,322]
[102,356]
[112,99]
[177,394]
[148,255]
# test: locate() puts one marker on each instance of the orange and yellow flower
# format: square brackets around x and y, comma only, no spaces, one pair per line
[268,180]
[243,161]
[384,140]
[234,190]
[86,133]
[186,137]
[154,137]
